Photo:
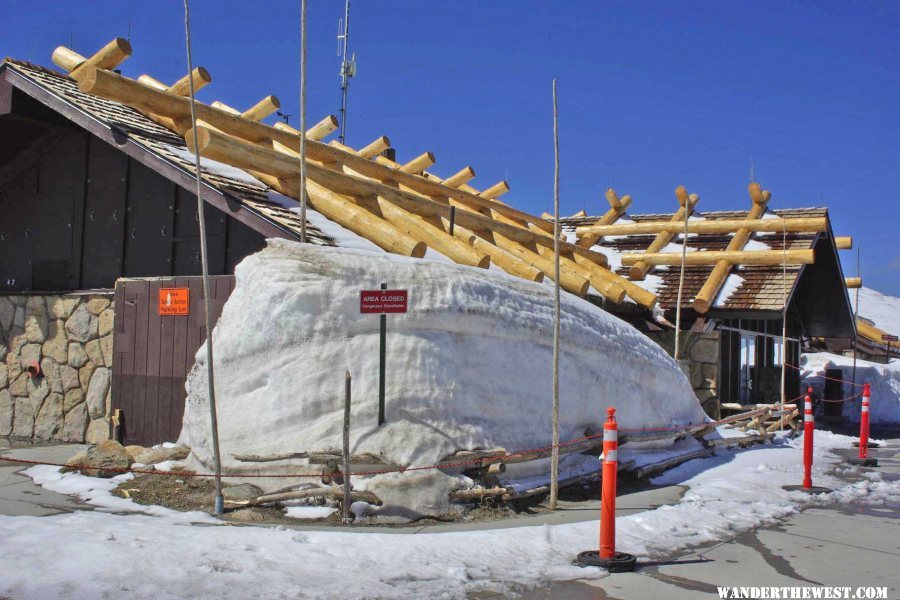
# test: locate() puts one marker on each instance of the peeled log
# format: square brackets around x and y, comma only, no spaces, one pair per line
[464,175]
[687,203]
[109,56]
[716,279]
[853,282]
[262,109]
[375,148]
[844,243]
[802,224]
[734,257]
[618,206]
[67,59]
[419,163]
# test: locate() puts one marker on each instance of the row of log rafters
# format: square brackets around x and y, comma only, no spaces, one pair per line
[500,233]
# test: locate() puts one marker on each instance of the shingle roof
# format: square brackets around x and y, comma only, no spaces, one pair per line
[166,145]
[762,288]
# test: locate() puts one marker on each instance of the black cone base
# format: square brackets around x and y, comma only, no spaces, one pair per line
[620,563]
[863,462]
[810,490]
[870,445]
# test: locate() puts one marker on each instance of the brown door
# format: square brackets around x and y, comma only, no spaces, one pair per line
[154,352]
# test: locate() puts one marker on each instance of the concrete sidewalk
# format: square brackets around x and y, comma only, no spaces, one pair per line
[19,496]
[843,545]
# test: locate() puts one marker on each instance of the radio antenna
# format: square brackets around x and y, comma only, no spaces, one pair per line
[348,66]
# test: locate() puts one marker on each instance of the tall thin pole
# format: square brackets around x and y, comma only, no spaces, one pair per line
[207,302]
[303,121]
[345,450]
[687,216]
[554,453]
[855,317]
[784,316]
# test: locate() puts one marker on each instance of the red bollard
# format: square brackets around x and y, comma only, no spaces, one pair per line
[809,427]
[864,459]
[607,557]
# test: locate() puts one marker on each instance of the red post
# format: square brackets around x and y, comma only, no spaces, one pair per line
[608,498]
[864,423]
[809,426]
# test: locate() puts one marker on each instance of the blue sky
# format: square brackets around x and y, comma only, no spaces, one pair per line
[652,94]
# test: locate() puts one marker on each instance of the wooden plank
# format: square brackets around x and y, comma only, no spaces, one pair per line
[152,380]
[182,361]
[139,389]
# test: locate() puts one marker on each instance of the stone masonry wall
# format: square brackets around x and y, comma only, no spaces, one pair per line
[70,338]
[700,361]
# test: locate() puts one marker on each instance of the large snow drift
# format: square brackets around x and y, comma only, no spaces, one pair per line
[468,367]
[881,309]
[884,379]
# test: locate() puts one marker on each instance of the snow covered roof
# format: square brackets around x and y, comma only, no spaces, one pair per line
[238,188]
[747,287]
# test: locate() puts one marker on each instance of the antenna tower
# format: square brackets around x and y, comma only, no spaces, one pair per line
[348,67]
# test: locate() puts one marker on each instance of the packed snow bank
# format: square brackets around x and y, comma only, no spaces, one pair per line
[884,379]
[469,366]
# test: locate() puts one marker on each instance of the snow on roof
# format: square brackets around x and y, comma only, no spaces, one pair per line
[883,310]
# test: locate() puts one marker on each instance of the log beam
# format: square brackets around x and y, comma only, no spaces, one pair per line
[716,279]
[462,176]
[853,282]
[734,257]
[617,208]
[794,225]
[262,109]
[843,242]
[495,191]
[228,109]
[109,56]
[419,163]
[687,203]
[201,78]
[375,148]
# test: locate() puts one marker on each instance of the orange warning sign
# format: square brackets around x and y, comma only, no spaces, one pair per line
[174,302]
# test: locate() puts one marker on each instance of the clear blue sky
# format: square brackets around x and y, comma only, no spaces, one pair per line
[652,94]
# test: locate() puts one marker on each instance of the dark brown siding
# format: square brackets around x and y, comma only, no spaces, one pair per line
[154,354]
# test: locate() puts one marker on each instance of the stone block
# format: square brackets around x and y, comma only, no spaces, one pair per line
[30,354]
[106,349]
[7,408]
[82,325]
[20,386]
[49,422]
[72,399]
[97,305]
[85,373]
[106,322]
[97,431]
[96,394]
[77,356]
[57,344]
[7,313]
[51,374]
[62,307]
[75,424]
[38,390]
[19,319]
[13,366]
[23,419]
[94,353]
[705,350]
[108,459]
[4,375]
[68,376]
[36,326]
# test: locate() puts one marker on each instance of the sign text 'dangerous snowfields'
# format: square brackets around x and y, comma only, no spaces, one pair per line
[174,302]
[383,301]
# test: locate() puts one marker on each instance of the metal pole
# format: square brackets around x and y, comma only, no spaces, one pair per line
[345,73]
[382,354]
[554,453]
[855,317]
[207,303]
[302,121]
[346,448]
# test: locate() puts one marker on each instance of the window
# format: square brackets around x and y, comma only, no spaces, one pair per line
[778,349]
[748,364]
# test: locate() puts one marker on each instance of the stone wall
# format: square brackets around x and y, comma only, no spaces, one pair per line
[700,362]
[69,337]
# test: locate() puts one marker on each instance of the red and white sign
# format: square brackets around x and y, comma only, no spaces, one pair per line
[889,338]
[174,302]
[383,301]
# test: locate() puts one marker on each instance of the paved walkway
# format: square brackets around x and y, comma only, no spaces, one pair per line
[844,545]
[19,495]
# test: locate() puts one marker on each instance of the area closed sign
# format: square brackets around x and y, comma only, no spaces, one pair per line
[174,302]
[889,338]
[383,301]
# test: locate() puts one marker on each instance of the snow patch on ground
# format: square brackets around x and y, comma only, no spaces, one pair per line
[884,379]
[149,557]
[309,512]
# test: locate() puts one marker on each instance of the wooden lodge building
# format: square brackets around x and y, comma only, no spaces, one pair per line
[99,230]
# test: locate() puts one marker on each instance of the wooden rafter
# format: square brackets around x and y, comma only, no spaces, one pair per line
[716,280]
[617,208]
[686,202]
[734,257]
[401,208]
[794,225]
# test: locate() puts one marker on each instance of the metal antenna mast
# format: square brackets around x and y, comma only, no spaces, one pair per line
[348,67]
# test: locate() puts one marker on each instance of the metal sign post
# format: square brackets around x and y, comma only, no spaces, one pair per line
[382,301]
[889,339]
